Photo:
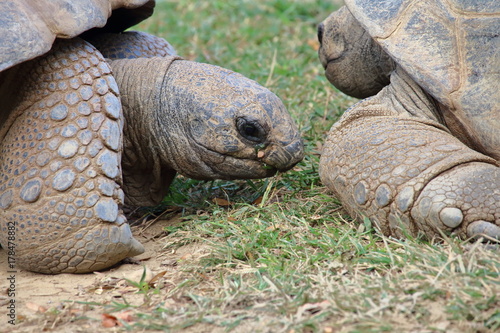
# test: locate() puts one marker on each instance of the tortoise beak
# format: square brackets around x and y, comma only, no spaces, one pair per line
[284,157]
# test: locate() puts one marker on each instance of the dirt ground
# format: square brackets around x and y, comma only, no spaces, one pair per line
[53,302]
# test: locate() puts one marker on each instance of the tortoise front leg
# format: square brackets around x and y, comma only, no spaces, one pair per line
[60,168]
[390,159]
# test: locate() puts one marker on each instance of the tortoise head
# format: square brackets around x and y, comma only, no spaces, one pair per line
[228,126]
[353,61]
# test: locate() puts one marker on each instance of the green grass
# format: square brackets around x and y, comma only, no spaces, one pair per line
[295,262]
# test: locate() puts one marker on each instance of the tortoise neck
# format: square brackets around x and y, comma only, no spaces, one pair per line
[141,82]
[145,159]
[405,94]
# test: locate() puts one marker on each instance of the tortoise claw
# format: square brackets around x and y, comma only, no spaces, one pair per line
[484,229]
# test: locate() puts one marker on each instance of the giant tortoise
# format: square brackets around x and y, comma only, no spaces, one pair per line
[93,118]
[420,153]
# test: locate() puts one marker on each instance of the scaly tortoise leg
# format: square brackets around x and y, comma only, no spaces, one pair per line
[60,165]
[397,165]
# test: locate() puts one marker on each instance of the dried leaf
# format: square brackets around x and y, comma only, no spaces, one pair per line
[35,307]
[156,278]
[109,320]
[222,202]
[203,276]
[257,201]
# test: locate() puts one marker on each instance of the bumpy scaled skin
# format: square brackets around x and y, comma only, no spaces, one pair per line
[407,173]
[406,158]
[60,163]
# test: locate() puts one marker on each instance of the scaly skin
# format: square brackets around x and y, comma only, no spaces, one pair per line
[145,179]
[60,165]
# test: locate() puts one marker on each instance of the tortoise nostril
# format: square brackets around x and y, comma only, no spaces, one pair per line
[321,28]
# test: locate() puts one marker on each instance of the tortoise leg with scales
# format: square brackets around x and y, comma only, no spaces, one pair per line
[81,135]
[420,154]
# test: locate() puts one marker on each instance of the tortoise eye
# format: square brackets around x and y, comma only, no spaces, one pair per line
[251,130]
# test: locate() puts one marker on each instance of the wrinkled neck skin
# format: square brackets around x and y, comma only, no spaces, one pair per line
[156,145]
[145,168]
[402,98]
[405,96]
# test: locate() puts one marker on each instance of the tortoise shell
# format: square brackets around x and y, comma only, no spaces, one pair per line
[29,28]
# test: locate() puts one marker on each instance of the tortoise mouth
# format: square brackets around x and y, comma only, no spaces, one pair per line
[253,163]
[332,61]
[216,165]
[327,55]
[252,169]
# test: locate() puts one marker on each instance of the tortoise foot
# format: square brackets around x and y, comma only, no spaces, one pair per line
[87,250]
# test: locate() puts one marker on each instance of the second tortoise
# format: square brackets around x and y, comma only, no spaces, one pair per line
[420,154]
